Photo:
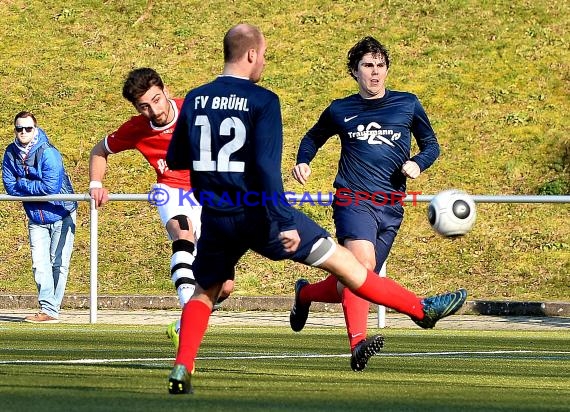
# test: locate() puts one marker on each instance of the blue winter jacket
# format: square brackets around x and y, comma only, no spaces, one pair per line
[40,173]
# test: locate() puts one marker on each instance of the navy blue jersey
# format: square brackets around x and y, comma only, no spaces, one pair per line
[375,137]
[230,135]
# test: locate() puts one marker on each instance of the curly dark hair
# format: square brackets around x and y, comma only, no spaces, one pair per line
[367,45]
[139,81]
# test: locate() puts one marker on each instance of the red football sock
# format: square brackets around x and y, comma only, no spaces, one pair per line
[385,291]
[193,325]
[356,316]
[323,291]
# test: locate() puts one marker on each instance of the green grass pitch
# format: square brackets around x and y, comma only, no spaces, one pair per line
[116,368]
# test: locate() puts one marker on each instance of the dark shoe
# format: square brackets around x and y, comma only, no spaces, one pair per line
[179,381]
[299,312]
[439,306]
[364,350]
[41,317]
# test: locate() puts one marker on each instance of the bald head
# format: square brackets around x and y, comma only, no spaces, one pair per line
[239,40]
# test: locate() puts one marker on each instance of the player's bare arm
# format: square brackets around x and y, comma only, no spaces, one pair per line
[97,168]
[301,173]
[411,169]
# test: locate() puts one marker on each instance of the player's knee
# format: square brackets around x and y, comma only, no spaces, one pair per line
[321,251]
[183,222]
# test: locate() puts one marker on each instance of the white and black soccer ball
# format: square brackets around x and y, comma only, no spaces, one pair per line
[452,213]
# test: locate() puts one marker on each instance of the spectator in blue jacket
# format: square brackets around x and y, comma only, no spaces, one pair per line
[33,167]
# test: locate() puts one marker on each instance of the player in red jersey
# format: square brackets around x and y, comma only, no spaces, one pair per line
[150,133]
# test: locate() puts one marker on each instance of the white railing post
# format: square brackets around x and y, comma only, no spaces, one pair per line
[299,199]
[382,309]
[93,252]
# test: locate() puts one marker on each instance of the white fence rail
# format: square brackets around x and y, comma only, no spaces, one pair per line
[94,225]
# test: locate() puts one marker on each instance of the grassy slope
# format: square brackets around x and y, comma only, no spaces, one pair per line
[493,77]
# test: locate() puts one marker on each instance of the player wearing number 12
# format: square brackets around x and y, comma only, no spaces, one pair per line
[230,135]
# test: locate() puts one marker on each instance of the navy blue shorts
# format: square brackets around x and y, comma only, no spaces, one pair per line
[365,221]
[226,238]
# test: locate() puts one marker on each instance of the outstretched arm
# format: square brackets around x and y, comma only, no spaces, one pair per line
[310,144]
[97,168]
[268,141]
[427,143]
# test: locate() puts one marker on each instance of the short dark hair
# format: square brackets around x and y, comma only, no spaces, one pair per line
[366,45]
[139,81]
[239,39]
[24,114]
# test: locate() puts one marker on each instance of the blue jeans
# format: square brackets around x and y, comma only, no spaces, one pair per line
[51,246]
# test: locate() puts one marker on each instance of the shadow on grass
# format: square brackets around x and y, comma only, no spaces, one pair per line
[4,318]
[546,321]
[535,313]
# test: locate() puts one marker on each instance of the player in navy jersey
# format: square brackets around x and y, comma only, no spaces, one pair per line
[375,127]
[230,135]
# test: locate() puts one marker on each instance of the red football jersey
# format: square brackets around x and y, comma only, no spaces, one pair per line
[152,141]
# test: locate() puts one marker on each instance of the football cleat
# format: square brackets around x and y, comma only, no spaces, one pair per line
[179,381]
[364,350]
[299,312]
[173,334]
[440,306]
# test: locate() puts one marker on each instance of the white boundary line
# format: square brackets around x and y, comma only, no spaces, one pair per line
[255,356]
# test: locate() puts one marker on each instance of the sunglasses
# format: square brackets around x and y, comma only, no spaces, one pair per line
[20,129]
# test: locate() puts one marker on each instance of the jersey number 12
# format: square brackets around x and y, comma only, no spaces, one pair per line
[223,162]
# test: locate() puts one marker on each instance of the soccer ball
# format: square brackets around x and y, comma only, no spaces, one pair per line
[452,213]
